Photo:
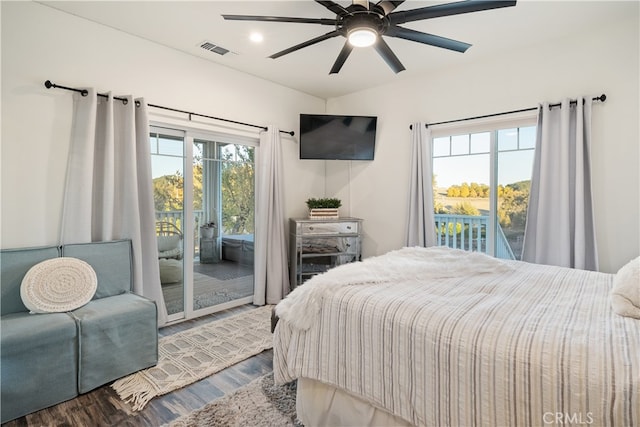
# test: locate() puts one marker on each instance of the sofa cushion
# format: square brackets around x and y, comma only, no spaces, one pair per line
[15,263]
[38,362]
[117,336]
[111,262]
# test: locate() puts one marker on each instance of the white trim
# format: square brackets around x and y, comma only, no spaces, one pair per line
[493,193]
[200,126]
[187,231]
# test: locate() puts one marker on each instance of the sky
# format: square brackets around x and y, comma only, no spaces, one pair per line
[467,157]
[513,166]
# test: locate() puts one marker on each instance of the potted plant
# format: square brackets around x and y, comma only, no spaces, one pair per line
[325,208]
[208,230]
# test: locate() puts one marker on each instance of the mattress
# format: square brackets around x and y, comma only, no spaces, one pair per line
[432,342]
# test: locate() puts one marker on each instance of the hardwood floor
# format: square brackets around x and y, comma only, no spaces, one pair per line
[103,407]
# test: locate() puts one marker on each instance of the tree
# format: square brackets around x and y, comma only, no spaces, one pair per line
[465,208]
[238,195]
[168,192]
[453,191]
[439,208]
[464,190]
[237,188]
[472,190]
[512,211]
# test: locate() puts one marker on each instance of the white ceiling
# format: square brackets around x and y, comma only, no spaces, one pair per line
[184,25]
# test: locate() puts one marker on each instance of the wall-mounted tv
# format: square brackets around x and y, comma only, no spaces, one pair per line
[331,137]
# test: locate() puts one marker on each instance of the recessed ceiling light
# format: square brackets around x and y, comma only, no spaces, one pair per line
[256,37]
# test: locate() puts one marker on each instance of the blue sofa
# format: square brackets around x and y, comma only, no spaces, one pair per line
[48,358]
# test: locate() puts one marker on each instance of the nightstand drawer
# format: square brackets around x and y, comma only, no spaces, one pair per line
[321,227]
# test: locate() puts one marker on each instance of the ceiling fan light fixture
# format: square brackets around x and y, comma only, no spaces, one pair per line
[256,37]
[362,37]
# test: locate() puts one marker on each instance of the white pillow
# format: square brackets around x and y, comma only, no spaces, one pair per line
[58,285]
[625,294]
[167,243]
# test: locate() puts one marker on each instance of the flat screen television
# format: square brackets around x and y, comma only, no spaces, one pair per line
[331,137]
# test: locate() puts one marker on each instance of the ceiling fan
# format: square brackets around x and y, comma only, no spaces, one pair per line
[364,22]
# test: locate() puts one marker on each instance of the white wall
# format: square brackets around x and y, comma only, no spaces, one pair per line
[40,43]
[603,61]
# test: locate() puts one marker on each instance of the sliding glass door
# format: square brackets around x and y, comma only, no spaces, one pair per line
[224,201]
[204,197]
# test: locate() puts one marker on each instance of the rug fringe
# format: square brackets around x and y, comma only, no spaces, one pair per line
[136,390]
[172,372]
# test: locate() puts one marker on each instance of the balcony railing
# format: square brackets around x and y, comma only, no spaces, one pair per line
[175,217]
[466,232]
[470,232]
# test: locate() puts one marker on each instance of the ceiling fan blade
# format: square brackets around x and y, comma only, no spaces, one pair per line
[426,38]
[321,21]
[389,6]
[342,57]
[334,7]
[447,9]
[313,41]
[389,57]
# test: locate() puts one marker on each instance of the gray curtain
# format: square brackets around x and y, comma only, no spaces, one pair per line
[560,226]
[108,191]
[421,221]
[271,270]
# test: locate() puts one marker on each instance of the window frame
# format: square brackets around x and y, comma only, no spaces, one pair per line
[492,125]
[191,131]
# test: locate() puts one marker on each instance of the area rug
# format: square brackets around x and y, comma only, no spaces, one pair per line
[260,403]
[189,356]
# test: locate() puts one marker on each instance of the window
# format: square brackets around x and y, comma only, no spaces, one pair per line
[481,181]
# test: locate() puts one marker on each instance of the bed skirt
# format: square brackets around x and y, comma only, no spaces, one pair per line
[319,404]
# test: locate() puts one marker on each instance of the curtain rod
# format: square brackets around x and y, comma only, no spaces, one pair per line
[48,84]
[601,98]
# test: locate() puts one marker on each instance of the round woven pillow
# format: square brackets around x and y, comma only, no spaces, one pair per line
[58,285]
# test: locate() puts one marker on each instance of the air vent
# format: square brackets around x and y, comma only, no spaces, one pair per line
[214,48]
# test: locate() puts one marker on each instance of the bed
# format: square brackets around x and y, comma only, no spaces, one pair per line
[437,336]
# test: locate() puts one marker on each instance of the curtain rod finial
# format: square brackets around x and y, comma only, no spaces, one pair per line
[603,97]
[48,84]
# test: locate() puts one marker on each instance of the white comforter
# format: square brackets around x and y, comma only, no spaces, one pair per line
[509,344]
